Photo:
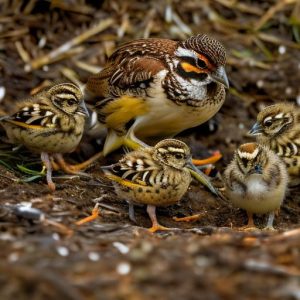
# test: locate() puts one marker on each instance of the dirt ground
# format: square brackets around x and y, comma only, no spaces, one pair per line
[44,255]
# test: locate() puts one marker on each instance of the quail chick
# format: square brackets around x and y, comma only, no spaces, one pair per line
[256,180]
[278,127]
[154,176]
[50,123]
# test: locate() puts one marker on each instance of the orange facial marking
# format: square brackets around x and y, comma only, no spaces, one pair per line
[209,65]
[190,68]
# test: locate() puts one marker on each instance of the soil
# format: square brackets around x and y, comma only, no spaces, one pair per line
[45,255]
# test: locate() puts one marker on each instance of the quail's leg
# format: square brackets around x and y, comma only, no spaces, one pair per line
[54,165]
[192,218]
[47,162]
[131,212]
[250,225]
[155,225]
[270,221]
[87,163]
[250,219]
[210,160]
[69,169]
[92,217]
[132,142]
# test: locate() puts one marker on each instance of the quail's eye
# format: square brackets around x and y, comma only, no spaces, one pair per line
[178,156]
[201,64]
[71,102]
[268,123]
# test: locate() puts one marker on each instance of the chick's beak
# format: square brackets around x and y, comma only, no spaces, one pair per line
[83,109]
[256,129]
[220,76]
[257,170]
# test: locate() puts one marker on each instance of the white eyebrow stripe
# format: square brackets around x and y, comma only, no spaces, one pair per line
[248,155]
[279,116]
[267,119]
[66,96]
[185,52]
[173,149]
[162,150]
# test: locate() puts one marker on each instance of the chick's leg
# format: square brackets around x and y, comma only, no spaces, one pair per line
[69,169]
[131,212]
[250,225]
[250,219]
[47,162]
[94,215]
[155,225]
[270,221]
[207,161]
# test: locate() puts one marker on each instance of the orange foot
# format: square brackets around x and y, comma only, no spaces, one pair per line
[192,218]
[74,169]
[250,226]
[158,227]
[92,217]
[210,160]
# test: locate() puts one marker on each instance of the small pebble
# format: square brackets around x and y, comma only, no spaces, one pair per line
[281,49]
[55,236]
[123,268]
[42,42]
[62,251]
[260,83]
[2,92]
[94,256]
[288,90]
[121,247]
[298,100]
[241,126]
[13,257]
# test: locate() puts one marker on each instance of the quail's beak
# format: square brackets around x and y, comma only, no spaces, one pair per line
[83,109]
[256,129]
[220,76]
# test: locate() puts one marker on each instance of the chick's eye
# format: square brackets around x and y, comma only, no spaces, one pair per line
[178,156]
[201,64]
[268,123]
[71,102]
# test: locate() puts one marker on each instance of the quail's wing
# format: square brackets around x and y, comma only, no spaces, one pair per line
[138,169]
[132,67]
[34,116]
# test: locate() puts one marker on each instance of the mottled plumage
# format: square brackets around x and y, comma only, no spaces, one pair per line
[50,122]
[278,127]
[158,88]
[256,180]
[155,176]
